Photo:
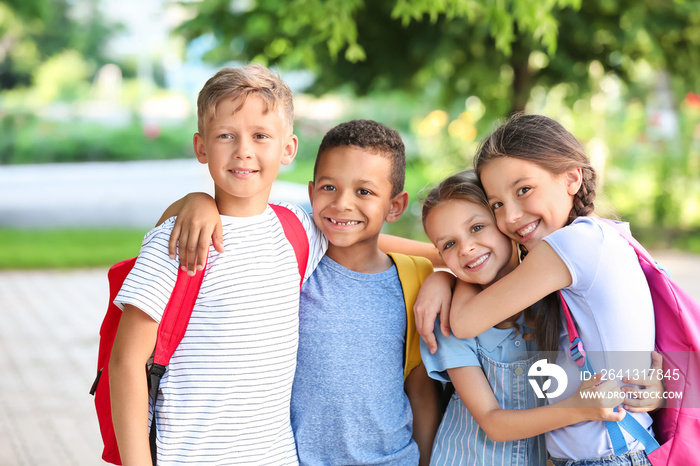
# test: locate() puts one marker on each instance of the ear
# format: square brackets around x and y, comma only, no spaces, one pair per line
[311,193]
[199,148]
[290,150]
[574,179]
[398,206]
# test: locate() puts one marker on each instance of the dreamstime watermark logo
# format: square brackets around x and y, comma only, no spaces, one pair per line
[541,369]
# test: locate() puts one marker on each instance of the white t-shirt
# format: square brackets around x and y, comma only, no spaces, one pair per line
[610,301]
[225,396]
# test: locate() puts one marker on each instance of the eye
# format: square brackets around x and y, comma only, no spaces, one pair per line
[448,245]
[225,136]
[328,187]
[523,190]
[364,192]
[261,136]
[476,228]
[496,205]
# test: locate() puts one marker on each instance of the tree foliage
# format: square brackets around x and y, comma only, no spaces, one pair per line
[450,49]
[32,31]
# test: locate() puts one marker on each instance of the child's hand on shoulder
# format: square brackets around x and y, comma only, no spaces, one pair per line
[198,224]
[434,298]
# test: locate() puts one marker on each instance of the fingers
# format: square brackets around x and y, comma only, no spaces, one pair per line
[445,321]
[174,237]
[615,416]
[430,341]
[218,238]
[424,326]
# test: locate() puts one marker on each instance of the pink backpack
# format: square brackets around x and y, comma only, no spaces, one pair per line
[677,318]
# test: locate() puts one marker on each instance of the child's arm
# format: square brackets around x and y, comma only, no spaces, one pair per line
[133,346]
[503,425]
[423,395]
[197,225]
[540,273]
[389,243]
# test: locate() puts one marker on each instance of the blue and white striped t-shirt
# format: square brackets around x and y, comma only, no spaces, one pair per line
[225,396]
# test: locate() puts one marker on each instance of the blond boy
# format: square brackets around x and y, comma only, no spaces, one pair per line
[225,397]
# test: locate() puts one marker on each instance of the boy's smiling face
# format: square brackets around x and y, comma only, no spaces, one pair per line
[351,196]
[244,149]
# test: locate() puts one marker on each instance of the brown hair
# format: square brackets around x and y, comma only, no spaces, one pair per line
[465,186]
[543,141]
[373,137]
[234,83]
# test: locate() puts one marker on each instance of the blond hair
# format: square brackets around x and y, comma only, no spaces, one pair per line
[241,82]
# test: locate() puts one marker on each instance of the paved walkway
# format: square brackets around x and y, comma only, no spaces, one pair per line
[49,324]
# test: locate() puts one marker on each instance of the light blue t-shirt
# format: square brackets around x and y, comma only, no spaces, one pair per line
[610,301]
[505,357]
[348,405]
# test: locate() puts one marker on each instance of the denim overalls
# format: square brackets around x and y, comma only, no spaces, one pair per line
[460,440]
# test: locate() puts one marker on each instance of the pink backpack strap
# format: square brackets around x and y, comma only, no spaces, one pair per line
[296,234]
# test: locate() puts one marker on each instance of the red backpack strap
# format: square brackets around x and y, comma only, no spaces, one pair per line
[171,330]
[296,234]
[176,315]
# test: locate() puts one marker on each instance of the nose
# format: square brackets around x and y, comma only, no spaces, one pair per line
[466,247]
[243,150]
[511,212]
[343,200]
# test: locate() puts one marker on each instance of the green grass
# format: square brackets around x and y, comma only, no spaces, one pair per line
[66,248]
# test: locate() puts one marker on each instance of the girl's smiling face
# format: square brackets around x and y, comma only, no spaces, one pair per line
[528,201]
[466,235]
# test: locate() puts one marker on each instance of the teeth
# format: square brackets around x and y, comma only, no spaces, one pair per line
[351,222]
[528,230]
[478,262]
[243,171]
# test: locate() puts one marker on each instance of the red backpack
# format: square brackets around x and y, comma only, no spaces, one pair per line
[170,331]
[677,321]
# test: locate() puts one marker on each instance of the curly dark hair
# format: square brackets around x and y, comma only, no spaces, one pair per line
[373,137]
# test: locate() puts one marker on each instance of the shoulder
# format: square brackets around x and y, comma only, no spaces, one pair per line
[452,352]
[158,236]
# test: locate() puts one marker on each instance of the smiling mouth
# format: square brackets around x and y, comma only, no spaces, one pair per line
[243,172]
[523,232]
[347,222]
[480,260]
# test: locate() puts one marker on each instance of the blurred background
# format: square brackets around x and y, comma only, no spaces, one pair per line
[97,115]
[97,102]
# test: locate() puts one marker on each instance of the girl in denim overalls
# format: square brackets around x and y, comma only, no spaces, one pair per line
[495,416]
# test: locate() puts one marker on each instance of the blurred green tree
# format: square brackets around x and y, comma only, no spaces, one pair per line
[449,49]
[32,31]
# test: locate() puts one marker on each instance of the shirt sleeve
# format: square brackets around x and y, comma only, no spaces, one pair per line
[150,283]
[579,246]
[452,352]
[318,243]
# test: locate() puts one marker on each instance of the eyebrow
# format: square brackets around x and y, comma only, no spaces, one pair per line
[370,183]
[466,222]
[512,185]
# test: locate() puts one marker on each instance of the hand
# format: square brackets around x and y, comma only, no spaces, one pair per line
[650,396]
[198,224]
[599,398]
[434,298]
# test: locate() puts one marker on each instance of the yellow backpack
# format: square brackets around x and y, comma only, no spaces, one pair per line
[412,272]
